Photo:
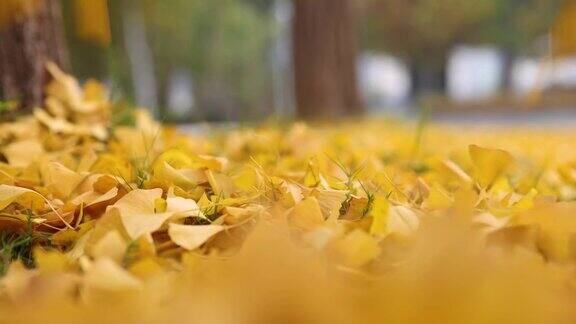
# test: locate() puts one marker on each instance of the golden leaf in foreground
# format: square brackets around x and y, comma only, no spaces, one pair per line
[489,163]
[192,237]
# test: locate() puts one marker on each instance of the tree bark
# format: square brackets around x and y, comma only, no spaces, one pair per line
[428,78]
[26,44]
[507,69]
[324,50]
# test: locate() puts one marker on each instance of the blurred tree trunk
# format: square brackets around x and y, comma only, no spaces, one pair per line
[26,44]
[507,69]
[428,78]
[324,40]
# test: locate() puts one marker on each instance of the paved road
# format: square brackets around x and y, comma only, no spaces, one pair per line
[548,118]
[562,118]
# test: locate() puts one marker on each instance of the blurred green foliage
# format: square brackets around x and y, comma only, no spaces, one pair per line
[425,30]
[515,24]
[223,44]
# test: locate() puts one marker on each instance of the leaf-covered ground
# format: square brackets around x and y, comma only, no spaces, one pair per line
[358,222]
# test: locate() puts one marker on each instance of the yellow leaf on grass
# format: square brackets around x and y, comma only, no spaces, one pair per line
[450,170]
[175,158]
[112,246]
[181,208]
[192,237]
[403,220]
[235,215]
[64,87]
[307,214]
[59,179]
[221,184]
[438,199]
[62,126]
[105,275]
[398,220]
[91,198]
[137,213]
[184,178]
[17,280]
[489,163]
[290,194]
[146,268]
[114,166]
[24,197]
[22,153]
[217,164]
[247,179]
[50,261]
[379,213]
[357,249]
[330,201]
[557,229]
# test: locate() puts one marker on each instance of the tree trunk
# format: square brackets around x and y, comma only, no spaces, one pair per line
[428,78]
[324,40]
[26,44]
[507,69]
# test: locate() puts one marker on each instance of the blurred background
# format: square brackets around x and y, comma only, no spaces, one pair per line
[250,60]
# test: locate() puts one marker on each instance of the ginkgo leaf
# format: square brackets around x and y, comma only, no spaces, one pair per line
[217,164]
[192,237]
[86,161]
[175,158]
[63,126]
[104,274]
[138,202]
[182,208]
[291,194]
[59,179]
[92,198]
[112,246]
[22,153]
[438,198]
[114,166]
[450,169]
[557,228]
[379,212]
[235,215]
[25,197]
[491,222]
[136,210]
[307,214]
[357,249]
[357,208]
[17,279]
[65,87]
[403,221]
[489,163]
[220,183]
[247,179]
[330,201]
[51,261]
[184,178]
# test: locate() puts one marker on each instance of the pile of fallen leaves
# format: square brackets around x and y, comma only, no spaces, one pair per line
[373,221]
